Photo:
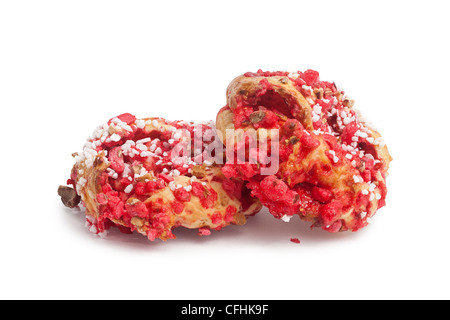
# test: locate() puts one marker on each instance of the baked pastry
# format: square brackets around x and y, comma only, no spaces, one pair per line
[332,165]
[151,176]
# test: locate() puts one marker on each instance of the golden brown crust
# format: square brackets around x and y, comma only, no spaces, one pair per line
[327,164]
[203,203]
[243,87]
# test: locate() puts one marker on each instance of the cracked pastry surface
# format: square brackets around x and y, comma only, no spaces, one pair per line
[133,174]
[332,165]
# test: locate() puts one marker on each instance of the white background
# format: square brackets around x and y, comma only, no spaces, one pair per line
[68,66]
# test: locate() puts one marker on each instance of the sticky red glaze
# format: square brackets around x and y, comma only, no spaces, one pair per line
[126,185]
[335,123]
